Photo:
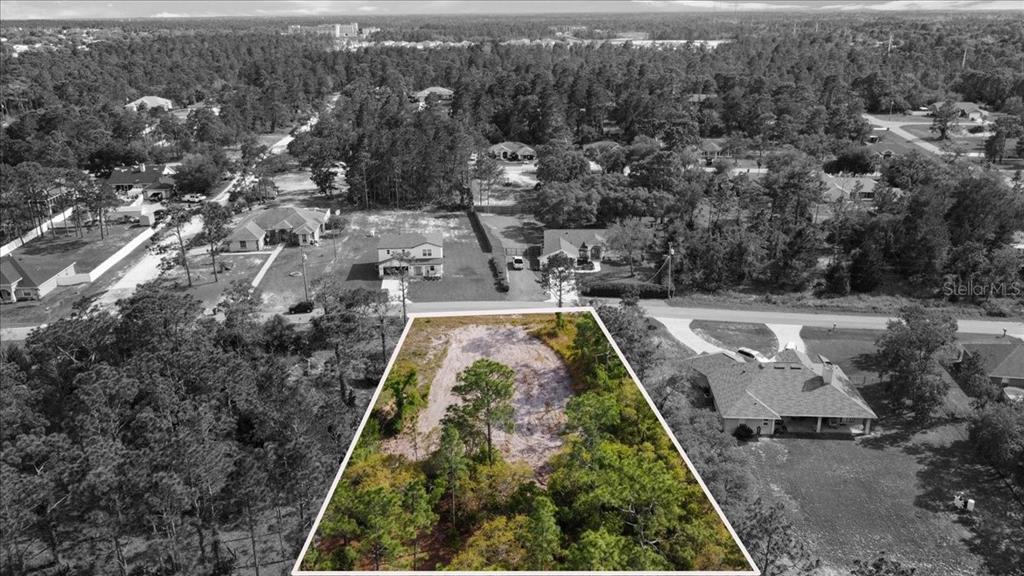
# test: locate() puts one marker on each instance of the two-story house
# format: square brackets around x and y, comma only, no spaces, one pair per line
[421,254]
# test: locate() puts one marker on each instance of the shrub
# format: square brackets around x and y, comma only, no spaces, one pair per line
[480,231]
[618,288]
[996,309]
[500,276]
[743,433]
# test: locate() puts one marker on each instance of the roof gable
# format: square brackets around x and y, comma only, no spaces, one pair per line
[791,385]
[570,239]
[409,240]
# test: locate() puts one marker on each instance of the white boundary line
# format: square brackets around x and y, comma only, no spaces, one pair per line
[296,571]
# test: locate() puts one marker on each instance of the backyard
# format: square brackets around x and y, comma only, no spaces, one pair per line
[892,491]
[86,252]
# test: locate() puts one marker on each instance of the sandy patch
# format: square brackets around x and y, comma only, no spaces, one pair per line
[452,226]
[542,390]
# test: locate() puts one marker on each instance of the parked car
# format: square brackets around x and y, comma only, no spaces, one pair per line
[751,354]
[518,263]
[301,308]
[193,198]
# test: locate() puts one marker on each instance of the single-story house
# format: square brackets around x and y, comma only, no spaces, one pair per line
[247,237]
[709,149]
[512,151]
[291,225]
[439,91]
[1003,361]
[1018,240]
[130,182]
[20,280]
[149,102]
[579,243]
[424,252]
[968,110]
[700,98]
[789,392]
[853,188]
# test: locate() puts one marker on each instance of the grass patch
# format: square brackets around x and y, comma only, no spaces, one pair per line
[735,335]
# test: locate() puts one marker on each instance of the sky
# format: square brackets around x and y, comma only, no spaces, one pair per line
[103,9]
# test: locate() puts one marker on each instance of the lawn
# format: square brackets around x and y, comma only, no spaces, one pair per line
[854,499]
[86,252]
[244,267]
[891,492]
[735,335]
[973,143]
[351,257]
[467,272]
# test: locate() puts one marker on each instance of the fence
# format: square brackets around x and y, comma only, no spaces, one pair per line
[34,233]
[110,262]
[503,209]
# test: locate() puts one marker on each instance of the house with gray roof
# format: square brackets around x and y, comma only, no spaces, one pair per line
[421,254]
[286,224]
[791,391]
[25,280]
[576,243]
[512,151]
[1003,361]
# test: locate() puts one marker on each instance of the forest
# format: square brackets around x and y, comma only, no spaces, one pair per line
[798,115]
[154,442]
[615,496]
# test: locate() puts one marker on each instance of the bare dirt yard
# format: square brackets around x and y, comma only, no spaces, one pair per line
[542,391]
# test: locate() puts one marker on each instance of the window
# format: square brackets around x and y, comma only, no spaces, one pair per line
[431,268]
[388,252]
[241,244]
[427,253]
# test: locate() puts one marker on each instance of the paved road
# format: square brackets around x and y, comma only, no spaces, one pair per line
[659,309]
[896,128]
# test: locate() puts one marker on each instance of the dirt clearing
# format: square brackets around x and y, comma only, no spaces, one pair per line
[542,390]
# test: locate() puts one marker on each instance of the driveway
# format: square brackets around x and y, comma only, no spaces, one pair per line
[896,128]
[680,329]
[788,334]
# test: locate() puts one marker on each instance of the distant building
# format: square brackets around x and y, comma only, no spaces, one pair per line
[439,91]
[512,151]
[290,225]
[576,243]
[968,110]
[155,181]
[338,31]
[20,280]
[853,188]
[790,391]
[424,252]
[149,103]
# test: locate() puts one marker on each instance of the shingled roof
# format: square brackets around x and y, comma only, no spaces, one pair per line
[410,240]
[569,240]
[791,385]
[1001,360]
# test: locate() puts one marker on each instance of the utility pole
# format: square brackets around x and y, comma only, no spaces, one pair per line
[305,281]
[671,280]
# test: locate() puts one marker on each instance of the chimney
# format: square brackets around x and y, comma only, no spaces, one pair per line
[827,373]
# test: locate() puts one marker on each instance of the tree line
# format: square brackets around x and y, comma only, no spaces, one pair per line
[139,441]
